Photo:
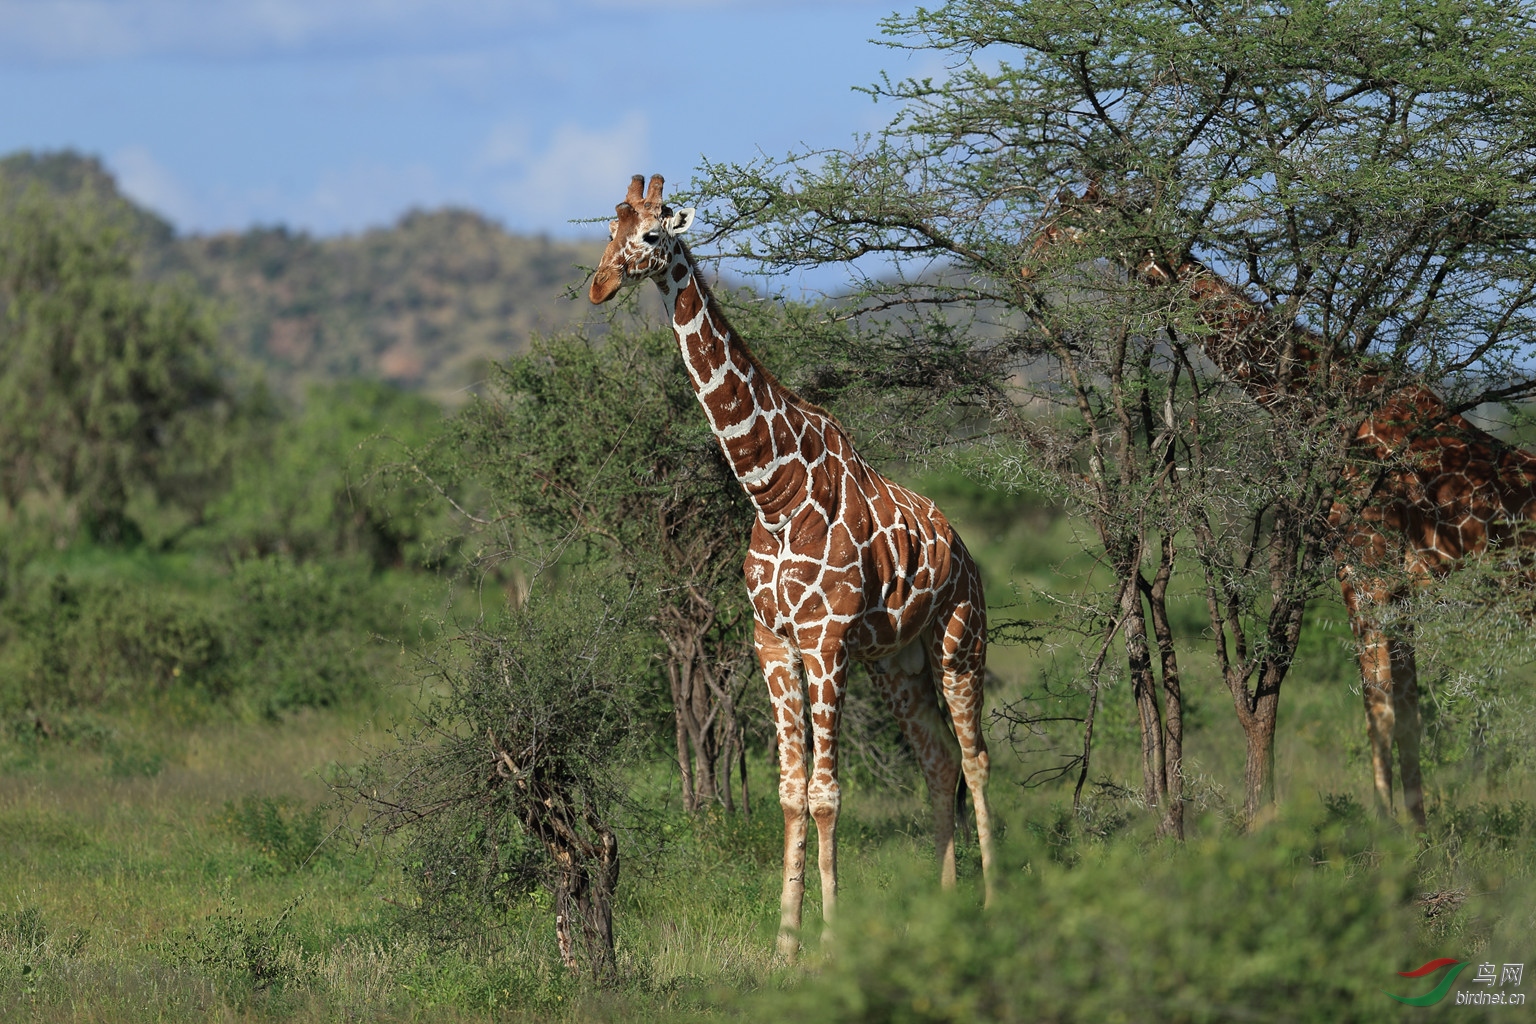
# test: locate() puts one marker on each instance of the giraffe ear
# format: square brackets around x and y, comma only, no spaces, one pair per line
[681,220]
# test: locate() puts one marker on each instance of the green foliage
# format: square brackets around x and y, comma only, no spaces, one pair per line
[270,637]
[302,629]
[288,834]
[108,385]
[597,451]
[1221,929]
[249,955]
[330,478]
[77,644]
[510,774]
[603,439]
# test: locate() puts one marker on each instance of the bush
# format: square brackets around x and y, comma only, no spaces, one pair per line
[73,643]
[1230,928]
[273,637]
[242,954]
[288,835]
[331,478]
[300,633]
[509,779]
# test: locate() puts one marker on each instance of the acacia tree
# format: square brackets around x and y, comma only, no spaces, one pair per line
[593,449]
[509,774]
[1354,176]
[108,384]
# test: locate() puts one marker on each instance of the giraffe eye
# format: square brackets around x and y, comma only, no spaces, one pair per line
[650,237]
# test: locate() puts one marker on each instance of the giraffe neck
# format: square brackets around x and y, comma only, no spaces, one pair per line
[1267,361]
[1407,421]
[771,438]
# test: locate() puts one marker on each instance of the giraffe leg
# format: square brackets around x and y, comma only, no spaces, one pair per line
[1380,714]
[906,681]
[1409,727]
[786,693]
[826,675]
[957,650]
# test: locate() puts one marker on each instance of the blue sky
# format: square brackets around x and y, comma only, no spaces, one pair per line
[336,115]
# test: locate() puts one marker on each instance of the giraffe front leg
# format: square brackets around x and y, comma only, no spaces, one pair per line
[1380,716]
[826,675]
[781,670]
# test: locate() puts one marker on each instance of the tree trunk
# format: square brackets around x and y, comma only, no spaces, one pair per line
[1257,714]
[741,753]
[1172,823]
[727,757]
[586,878]
[1259,768]
[679,717]
[1143,685]
[597,907]
[701,723]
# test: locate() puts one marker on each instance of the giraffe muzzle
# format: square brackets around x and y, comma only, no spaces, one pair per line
[605,285]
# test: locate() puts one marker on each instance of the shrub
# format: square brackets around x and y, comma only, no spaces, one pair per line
[287,834]
[242,953]
[1246,927]
[275,636]
[509,777]
[74,643]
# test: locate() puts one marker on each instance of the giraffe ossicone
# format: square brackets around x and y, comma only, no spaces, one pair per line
[844,565]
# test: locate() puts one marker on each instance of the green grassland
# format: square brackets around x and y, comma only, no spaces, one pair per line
[177,713]
[182,858]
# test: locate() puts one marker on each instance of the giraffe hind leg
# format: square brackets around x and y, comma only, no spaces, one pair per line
[906,682]
[957,651]
[1408,727]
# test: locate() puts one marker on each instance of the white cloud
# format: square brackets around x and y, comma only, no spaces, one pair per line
[571,174]
[94,29]
[82,30]
[149,183]
[366,195]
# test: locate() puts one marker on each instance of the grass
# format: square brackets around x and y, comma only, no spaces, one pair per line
[166,866]
[181,897]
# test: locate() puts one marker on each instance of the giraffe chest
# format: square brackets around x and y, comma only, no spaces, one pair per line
[867,578]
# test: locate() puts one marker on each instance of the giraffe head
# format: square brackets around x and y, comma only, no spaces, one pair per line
[642,239]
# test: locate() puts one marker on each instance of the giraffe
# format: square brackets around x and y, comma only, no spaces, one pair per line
[844,565]
[1438,489]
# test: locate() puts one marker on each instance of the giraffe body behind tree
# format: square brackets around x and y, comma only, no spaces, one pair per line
[844,565]
[1430,490]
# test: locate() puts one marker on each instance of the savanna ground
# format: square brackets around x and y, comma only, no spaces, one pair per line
[186,861]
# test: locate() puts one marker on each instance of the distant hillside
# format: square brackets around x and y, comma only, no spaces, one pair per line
[424,303]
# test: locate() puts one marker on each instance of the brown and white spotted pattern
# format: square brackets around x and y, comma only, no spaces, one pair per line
[1438,490]
[1449,490]
[844,566]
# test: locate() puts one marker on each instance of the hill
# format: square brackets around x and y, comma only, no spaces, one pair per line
[424,303]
